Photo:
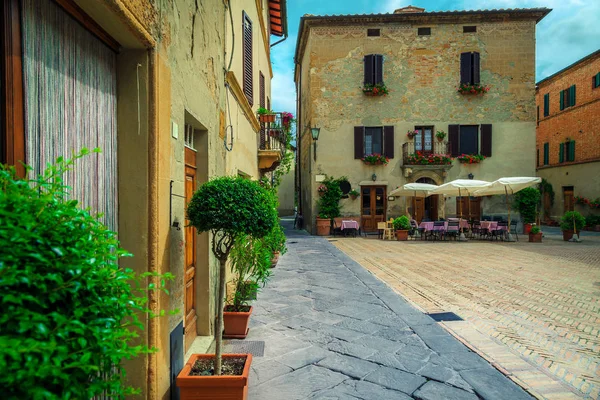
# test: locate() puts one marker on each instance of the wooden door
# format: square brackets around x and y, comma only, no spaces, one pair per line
[471,207]
[569,200]
[374,204]
[190,253]
[424,139]
[419,212]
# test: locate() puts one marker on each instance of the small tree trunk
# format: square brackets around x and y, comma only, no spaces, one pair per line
[219,328]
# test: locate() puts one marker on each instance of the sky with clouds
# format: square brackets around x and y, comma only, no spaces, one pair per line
[571,31]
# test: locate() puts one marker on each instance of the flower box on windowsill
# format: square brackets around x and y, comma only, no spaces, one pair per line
[428,159]
[375,159]
[470,158]
[375,90]
[473,89]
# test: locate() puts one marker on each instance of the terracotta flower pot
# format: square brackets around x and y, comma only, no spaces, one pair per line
[211,387]
[236,324]
[440,139]
[323,226]
[274,259]
[567,235]
[401,235]
[535,237]
[527,228]
[266,118]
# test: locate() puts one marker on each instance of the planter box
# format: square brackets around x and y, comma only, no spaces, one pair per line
[568,235]
[236,324]
[274,259]
[535,237]
[266,118]
[401,235]
[211,387]
[323,226]
[527,228]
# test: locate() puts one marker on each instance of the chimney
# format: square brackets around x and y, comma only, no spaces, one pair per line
[409,10]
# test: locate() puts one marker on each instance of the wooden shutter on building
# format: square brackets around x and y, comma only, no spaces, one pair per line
[546,153]
[359,142]
[475,77]
[571,156]
[453,139]
[388,141]
[561,152]
[572,95]
[369,64]
[378,69]
[261,83]
[546,104]
[465,68]
[562,100]
[247,58]
[486,140]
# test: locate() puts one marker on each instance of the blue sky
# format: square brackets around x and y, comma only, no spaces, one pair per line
[571,31]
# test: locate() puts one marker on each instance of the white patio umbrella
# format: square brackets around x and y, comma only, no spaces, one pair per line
[414,190]
[508,186]
[457,188]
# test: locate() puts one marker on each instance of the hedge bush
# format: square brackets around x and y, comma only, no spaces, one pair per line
[69,315]
[526,202]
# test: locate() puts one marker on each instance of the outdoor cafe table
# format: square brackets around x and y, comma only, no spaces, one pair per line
[428,226]
[489,225]
[349,226]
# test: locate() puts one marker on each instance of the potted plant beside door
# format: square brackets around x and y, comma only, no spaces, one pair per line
[535,235]
[227,207]
[402,225]
[572,223]
[526,202]
[328,204]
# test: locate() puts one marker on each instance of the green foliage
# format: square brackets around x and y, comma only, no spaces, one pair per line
[401,223]
[526,202]
[263,111]
[592,220]
[535,230]
[70,315]
[354,192]
[275,240]
[572,218]
[251,266]
[329,202]
[232,206]
[546,187]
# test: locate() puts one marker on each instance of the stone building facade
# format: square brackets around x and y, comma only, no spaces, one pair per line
[421,57]
[169,90]
[568,141]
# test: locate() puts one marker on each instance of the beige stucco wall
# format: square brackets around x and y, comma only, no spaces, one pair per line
[585,180]
[286,192]
[422,73]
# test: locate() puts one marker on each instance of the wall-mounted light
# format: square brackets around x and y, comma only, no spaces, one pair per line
[314,132]
[471,176]
[373,177]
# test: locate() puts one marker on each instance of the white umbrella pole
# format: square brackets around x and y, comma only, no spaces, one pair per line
[509,238]
[415,206]
[462,236]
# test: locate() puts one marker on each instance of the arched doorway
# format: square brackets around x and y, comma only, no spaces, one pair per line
[426,208]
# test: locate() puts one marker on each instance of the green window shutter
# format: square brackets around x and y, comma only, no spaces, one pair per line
[546,153]
[546,104]
[562,100]
[561,153]
[571,151]
[598,79]
[572,97]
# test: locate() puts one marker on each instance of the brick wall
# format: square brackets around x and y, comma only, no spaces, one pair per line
[580,122]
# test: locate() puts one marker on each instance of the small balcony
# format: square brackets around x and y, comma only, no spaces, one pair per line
[437,158]
[271,143]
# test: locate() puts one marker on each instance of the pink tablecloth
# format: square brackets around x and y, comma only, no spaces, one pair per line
[490,225]
[463,223]
[349,224]
[428,226]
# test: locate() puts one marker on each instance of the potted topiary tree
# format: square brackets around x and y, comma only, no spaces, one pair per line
[275,241]
[526,202]
[328,204]
[402,225]
[227,207]
[535,235]
[572,222]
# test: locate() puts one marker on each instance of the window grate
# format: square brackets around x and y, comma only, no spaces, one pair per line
[373,32]
[469,29]
[424,31]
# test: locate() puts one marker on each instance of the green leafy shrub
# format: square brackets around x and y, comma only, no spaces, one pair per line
[329,202]
[230,207]
[572,218]
[401,223]
[526,202]
[535,230]
[592,220]
[70,315]
[275,240]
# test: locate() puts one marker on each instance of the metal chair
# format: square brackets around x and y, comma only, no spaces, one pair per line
[415,230]
[334,229]
[475,228]
[500,230]
[452,230]
[439,230]
[513,229]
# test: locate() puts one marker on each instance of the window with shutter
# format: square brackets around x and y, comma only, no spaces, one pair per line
[537,118]
[546,153]
[388,141]
[359,141]
[373,141]
[562,100]
[261,84]
[570,150]
[373,71]
[247,57]
[453,139]
[572,96]
[561,153]
[468,139]
[546,104]
[469,68]
[596,81]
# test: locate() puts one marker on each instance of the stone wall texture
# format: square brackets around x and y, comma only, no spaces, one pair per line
[580,123]
[422,74]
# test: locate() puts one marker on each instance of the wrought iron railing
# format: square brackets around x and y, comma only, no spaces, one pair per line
[438,148]
[273,135]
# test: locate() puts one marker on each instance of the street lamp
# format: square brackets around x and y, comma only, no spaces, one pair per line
[471,176]
[315,135]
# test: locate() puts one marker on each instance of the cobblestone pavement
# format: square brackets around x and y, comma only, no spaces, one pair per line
[334,331]
[532,309]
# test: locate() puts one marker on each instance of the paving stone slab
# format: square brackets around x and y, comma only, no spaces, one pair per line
[492,385]
[392,378]
[330,330]
[393,333]
[379,343]
[387,359]
[436,391]
[351,349]
[349,366]
[444,344]
[358,325]
[370,391]
[303,357]
[267,370]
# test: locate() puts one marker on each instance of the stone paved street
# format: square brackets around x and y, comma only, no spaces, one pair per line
[334,331]
[533,309]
